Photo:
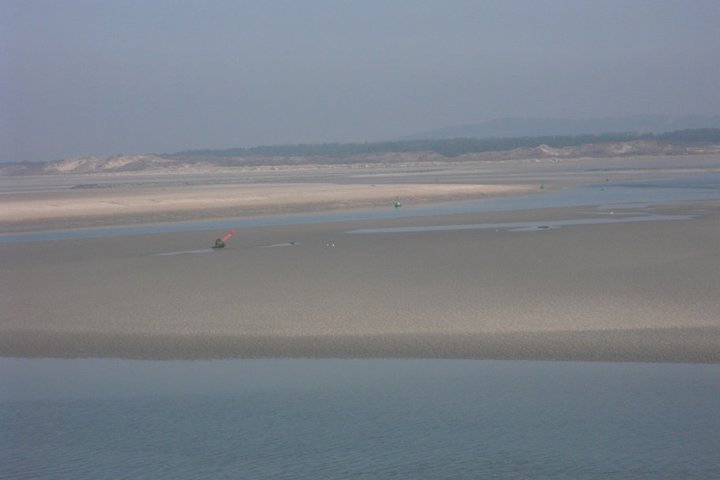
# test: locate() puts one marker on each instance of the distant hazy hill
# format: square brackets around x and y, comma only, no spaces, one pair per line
[445,147]
[680,142]
[536,127]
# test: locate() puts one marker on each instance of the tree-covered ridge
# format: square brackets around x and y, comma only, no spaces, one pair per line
[455,146]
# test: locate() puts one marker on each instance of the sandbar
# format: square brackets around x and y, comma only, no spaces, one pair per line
[97,207]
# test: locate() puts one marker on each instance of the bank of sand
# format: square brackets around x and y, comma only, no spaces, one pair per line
[626,292]
[72,208]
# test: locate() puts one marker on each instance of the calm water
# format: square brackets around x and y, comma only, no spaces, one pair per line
[315,419]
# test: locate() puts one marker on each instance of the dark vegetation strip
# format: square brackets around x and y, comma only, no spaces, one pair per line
[455,146]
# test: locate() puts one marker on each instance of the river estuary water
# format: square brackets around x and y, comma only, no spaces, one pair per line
[315,419]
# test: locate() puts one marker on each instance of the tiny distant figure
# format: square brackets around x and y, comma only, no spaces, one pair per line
[220,242]
[397,203]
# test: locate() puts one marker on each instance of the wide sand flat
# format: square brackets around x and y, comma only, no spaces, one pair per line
[644,291]
[639,291]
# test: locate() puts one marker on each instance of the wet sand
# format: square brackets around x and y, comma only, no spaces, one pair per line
[620,292]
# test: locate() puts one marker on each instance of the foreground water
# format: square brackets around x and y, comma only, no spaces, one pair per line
[314,419]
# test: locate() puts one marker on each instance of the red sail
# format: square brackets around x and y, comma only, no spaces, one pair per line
[232,232]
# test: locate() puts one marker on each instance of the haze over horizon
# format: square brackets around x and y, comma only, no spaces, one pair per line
[103,77]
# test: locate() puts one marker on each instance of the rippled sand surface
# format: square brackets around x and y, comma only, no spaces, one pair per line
[645,290]
[583,288]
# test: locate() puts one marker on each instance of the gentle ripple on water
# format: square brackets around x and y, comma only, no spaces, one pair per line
[381,419]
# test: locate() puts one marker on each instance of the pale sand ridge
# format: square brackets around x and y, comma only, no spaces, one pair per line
[197,201]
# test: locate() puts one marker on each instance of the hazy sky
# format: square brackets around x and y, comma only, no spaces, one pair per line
[108,77]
